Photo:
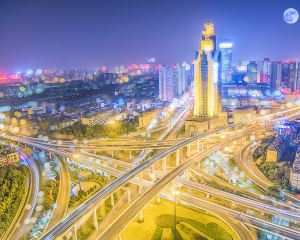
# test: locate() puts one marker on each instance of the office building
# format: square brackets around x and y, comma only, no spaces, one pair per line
[206,68]
[265,73]
[288,78]
[297,90]
[225,48]
[253,72]
[180,76]
[277,147]
[276,72]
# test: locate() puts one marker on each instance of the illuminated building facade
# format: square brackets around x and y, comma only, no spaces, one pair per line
[181,78]
[225,48]
[166,86]
[265,71]
[288,77]
[172,82]
[206,67]
[252,71]
[275,80]
[298,79]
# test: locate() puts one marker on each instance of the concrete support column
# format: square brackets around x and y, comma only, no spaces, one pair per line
[95,220]
[164,164]
[158,198]
[130,155]
[112,201]
[152,168]
[186,174]
[74,233]
[177,157]
[50,155]
[141,183]
[207,195]
[188,150]
[112,153]
[94,152]
[141,216]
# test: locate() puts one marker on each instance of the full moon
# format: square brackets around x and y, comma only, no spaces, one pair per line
[291,16]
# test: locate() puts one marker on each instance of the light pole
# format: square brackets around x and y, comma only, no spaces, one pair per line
[175,220]
[79,178]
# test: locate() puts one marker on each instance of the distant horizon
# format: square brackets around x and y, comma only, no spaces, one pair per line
[234,63]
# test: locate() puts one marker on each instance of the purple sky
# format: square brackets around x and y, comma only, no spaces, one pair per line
[91,33]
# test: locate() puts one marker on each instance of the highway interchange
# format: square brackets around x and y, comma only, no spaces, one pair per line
[169,146]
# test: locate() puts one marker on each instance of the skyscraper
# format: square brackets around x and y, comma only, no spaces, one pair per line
[298,79]
[181,78]
[265,71]
[252,71]
[225,48]
[207,101]
[289,74]
[172,82]
[275,80]
[166,86]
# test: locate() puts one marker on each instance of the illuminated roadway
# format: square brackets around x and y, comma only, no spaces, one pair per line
[77,213]
[246,202]
[106,191]
[26,214]
[73,216]
[123,220]
[63,196]
[245,218]
[212,191]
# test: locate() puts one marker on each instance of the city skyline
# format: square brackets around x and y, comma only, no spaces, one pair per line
[53,38]
[149,120]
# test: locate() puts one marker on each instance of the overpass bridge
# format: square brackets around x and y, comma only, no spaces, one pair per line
[74,216]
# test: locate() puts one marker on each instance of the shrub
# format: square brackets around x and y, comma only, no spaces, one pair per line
[157,233]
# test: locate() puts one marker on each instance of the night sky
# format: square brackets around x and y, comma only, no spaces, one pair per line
[88,33]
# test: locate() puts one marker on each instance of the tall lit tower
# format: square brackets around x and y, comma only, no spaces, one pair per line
[207,101]
[225,48]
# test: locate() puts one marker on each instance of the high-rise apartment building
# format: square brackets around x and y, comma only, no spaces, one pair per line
[275,79]
[181,79]
[297,90]
[172,82]
[166,86]
[288,78]
[265,73]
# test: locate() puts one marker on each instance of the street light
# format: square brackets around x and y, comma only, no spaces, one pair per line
[175,192]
